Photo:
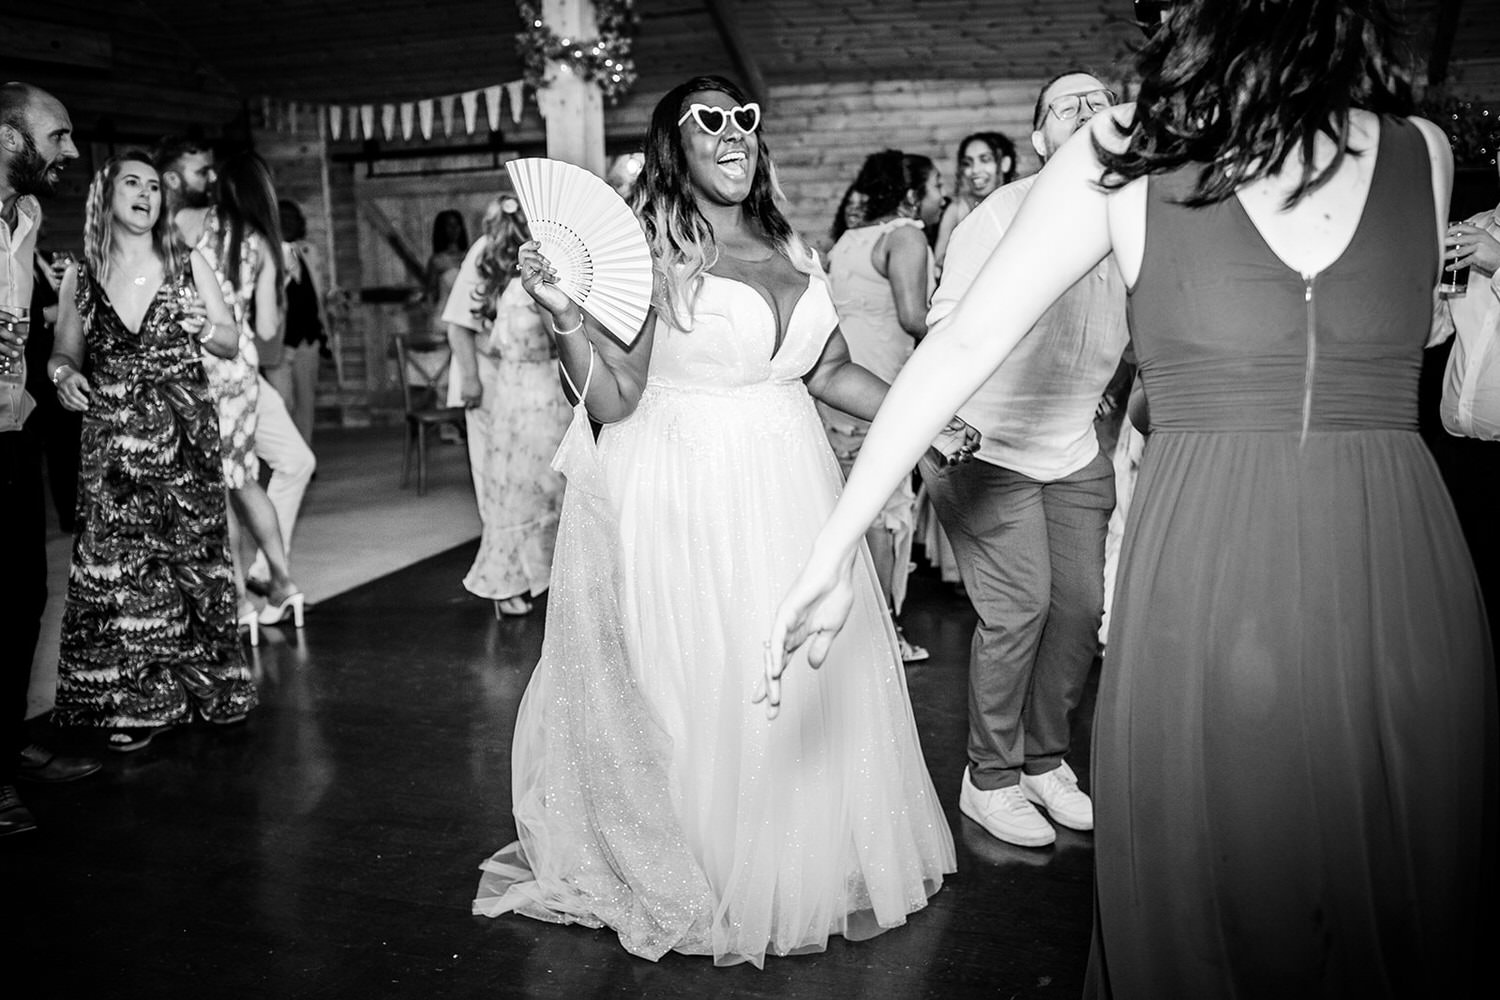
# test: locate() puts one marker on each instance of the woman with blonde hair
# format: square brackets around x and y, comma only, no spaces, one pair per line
[148,637]
[503,375]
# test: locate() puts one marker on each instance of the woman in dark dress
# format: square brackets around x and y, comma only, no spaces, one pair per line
[148,635]
[1294,748]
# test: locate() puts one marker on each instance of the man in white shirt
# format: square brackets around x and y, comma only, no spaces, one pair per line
[1027,518]
[36,142]
[1470,407]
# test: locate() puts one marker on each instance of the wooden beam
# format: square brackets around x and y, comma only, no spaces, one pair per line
[572,106]
[24,39]
[726,21]
[1442,41]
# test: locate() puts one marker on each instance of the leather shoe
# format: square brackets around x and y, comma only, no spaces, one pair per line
[40,764]
[14,816]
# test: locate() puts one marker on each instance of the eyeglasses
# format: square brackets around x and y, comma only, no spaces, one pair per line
[1067,108]
[714,121]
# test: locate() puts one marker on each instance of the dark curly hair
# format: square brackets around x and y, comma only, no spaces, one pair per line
[1000,147]
[1236,85]
[884,181]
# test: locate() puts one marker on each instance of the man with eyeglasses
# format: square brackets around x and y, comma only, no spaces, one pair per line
[1027,519]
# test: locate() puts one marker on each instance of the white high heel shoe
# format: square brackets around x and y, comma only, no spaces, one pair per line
[273,614]
[250,621]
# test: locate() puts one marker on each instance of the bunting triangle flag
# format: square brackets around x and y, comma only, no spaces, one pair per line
[516,90]
[404,117]
[492,105]
[470,101]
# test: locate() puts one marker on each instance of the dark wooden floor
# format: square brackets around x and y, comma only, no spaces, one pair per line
[328,848]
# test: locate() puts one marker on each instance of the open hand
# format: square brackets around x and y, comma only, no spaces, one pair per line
[813,612]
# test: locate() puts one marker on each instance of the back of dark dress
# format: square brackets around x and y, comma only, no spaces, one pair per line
[1294,756]
[148,635]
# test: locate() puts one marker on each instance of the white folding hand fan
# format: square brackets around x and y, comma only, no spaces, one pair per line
[592,239]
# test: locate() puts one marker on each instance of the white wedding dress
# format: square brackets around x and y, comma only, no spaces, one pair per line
[650,795]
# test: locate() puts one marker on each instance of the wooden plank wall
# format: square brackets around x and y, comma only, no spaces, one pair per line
[820,134]
[126,81]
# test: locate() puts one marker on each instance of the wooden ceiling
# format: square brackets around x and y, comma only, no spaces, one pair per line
[132,69]
[394,50]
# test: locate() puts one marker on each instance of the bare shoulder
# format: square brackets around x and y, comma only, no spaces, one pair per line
[1438,147]
[905,238]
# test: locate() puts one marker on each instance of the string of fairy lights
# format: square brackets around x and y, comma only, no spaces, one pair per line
[604,60]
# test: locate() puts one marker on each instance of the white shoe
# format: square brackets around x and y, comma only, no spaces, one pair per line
[1057,792]
[1005,814]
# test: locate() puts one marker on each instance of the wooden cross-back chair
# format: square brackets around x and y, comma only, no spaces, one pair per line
[422,376]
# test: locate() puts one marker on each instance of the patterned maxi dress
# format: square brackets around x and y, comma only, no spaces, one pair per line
[148,634]
[234,381]
[513,435]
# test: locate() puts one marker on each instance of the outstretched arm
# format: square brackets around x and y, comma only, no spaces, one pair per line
[1061,232]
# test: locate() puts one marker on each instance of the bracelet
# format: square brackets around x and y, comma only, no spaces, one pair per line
[57,373]
[567,333]
[207,334]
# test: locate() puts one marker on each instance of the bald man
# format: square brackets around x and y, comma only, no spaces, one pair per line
[36,143]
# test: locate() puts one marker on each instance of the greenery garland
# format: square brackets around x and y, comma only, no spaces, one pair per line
[1473,128]
[604,60]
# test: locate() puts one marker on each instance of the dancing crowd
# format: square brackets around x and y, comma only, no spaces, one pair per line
[1292,782]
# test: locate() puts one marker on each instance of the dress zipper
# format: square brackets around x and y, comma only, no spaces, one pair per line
[1312,354]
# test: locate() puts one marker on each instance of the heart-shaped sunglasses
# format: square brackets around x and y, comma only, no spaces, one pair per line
[715,120]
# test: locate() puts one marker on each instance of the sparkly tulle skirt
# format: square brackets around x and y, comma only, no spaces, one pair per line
[650,795]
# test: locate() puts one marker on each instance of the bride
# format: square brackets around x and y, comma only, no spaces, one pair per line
[651,796]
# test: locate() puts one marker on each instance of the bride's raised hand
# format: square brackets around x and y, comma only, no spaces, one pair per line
[539,280]
[812,613]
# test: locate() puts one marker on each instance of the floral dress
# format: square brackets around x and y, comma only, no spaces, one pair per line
[148,635]
[234,381]
[513,435]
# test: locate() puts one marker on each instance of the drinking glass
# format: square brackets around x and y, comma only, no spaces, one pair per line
[1455,280]
[16,320]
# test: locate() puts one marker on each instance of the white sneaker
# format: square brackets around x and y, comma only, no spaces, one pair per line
[1005,814]
[1057,792]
